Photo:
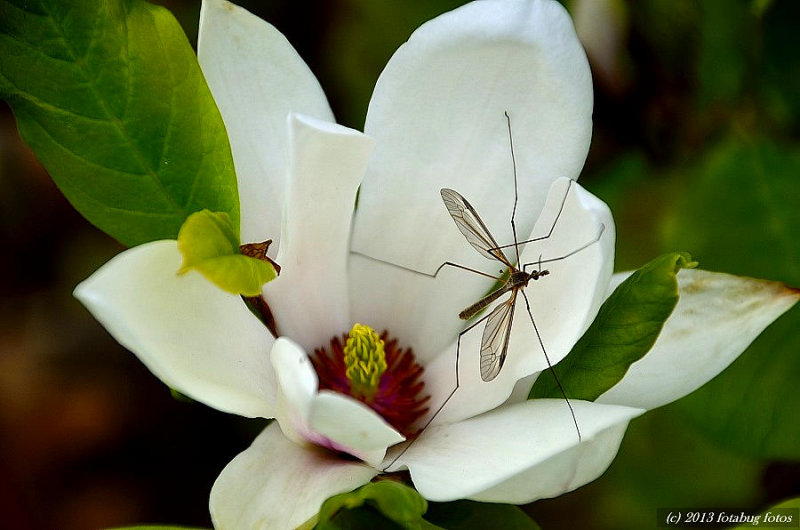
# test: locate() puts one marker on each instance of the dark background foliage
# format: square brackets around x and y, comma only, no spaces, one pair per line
[696,147]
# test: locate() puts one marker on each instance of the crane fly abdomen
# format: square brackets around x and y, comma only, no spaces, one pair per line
[517,279]
[478,306]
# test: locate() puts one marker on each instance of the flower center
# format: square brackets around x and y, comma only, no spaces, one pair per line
[374,370]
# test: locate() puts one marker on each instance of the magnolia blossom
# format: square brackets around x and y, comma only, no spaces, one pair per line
[350,404]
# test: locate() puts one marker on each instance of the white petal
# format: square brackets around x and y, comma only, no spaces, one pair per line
[477,457]
[257,79]
[196,338]
[352,426]
[437,117]
[563,304]
[309,299]
[717,317]
[277,484]
[297,386]
[562,473]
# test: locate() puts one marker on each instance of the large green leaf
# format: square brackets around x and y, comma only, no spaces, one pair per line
[110,97]
[471,515]
[388,504]
[741,215]
[624,330]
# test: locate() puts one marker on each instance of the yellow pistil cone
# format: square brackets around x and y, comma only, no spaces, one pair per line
[365,360]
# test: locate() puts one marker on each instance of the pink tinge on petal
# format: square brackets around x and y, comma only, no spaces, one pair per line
[300,429]
[323,441]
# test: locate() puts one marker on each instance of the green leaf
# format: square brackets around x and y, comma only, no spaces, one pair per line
[741,215]
[177,396]
[395,501]
[625,328]
[110,97]
[209,244]
[471,515]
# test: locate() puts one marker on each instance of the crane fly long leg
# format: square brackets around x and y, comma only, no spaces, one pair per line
[428,274]
[516,193]
[449,396]
[549,364]
[540,261]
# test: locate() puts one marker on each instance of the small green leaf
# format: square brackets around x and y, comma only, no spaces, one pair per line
[626,327]
[110,97]
[471,515]
[209,244]
[395,501]
[177,396]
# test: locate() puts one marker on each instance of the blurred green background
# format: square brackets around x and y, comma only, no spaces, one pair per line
[696,147]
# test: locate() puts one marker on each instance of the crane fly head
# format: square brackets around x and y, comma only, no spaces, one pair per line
[538,274]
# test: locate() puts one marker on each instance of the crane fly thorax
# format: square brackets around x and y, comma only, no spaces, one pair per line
[519,278]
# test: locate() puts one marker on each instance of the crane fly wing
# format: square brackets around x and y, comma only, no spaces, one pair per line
[494,343]
[471,225]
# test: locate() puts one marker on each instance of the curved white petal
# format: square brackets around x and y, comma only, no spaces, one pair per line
[352,425]
[717,317]
[562,473]
[196,338]
[477,457]
[579,258]
[297,386]
[257,79]
[437,115]
[309,299]
[278,484]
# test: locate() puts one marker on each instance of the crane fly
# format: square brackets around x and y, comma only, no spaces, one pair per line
[498,322]
[497,332]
